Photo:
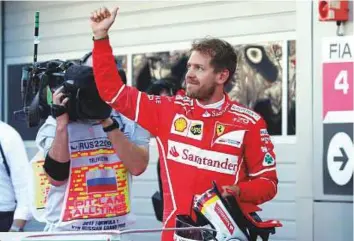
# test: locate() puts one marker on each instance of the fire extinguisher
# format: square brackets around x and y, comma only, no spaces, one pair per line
[331,10]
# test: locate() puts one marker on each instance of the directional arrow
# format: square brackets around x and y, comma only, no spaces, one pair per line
[340,158]
[343,158]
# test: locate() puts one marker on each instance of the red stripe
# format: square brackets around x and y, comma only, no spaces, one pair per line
[102,188]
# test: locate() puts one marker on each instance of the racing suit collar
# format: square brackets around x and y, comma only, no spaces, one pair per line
[216,105]
[207,112]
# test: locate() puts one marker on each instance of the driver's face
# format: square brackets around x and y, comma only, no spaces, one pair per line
[200,78]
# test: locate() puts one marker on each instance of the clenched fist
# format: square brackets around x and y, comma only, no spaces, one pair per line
[101,20]
[59,110]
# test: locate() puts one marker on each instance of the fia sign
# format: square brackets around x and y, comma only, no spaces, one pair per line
[337,74]
[338,115]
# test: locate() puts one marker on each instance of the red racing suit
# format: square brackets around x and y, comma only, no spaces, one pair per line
[196,145]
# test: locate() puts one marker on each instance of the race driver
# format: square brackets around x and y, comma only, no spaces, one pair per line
[202,136]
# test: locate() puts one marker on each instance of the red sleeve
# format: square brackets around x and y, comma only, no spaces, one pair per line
[135,105]
[261,166]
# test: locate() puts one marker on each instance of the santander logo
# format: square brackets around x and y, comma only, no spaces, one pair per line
[202,159]
[174,152]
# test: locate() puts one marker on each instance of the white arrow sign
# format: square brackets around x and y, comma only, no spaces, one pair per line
[340,158]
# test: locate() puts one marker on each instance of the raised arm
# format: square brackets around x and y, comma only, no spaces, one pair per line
[127,100]
[130,143]
[57,160]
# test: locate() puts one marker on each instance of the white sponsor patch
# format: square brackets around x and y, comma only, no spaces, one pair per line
[202,159]
[183,103]
[268,160]
[155,98]
[249,112]
[264,132]
[242,120]
[206,114]
[266,139]
[264,149]
[232,138]
[183,126]
[183,100]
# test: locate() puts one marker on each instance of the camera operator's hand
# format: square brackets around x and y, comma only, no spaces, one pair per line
[106,122]
[101,20]
[110,124]
[59,102]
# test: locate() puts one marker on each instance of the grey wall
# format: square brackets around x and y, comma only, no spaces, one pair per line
[304,146]
[319,217]
[64,33]
[333,215]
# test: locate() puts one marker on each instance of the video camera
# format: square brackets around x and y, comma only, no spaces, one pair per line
[40,80]
[37,84]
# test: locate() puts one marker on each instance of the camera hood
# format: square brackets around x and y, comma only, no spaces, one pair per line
[84,100]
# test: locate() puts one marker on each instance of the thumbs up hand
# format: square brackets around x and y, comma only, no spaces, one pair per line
[101,20]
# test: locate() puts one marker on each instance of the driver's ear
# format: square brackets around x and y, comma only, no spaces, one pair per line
[222,76]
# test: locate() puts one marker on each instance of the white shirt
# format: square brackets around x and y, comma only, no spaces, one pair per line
[56,195]
[14,189]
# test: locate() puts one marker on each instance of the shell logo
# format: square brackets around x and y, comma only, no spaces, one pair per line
[180,124]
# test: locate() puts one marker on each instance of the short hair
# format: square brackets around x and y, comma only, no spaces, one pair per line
[223,55]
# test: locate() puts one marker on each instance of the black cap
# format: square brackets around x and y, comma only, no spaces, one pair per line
[81,75]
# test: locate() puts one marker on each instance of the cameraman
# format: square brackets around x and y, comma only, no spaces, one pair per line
[100,207]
